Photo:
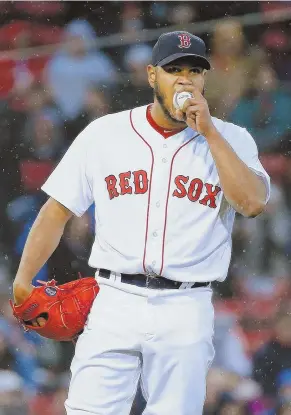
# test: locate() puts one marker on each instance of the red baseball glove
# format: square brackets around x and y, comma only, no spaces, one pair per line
[65,308]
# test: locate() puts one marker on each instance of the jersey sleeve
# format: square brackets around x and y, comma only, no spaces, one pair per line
[70,183]
[245,147]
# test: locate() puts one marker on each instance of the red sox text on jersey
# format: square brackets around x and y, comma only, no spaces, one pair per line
[136,182]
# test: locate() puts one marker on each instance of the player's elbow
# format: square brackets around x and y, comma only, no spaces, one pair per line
[253,208]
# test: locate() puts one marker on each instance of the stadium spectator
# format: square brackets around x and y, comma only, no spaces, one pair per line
[264,110]
[275,356]
[75,67]
[97,103]
[136,90]
[234,65]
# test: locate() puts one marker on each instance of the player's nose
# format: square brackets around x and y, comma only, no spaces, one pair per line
[184,80]
[182,83]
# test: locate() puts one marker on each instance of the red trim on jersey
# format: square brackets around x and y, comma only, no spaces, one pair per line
[167,202]
[150,186]
[163,131]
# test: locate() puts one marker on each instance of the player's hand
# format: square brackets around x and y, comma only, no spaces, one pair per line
[195,112]
[21,292]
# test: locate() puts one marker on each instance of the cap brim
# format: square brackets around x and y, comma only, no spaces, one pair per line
[199,60]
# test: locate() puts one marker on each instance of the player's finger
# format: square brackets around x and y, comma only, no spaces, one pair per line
[191,111]
[189,102]
[191,123]
[180,115]
[37,322]
[41,321]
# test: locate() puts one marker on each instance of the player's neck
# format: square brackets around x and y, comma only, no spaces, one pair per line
[162,121]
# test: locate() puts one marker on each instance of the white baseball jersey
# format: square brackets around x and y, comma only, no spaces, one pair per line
[159,204]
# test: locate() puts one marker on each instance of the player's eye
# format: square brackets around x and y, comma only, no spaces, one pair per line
[196,70]
[172,69]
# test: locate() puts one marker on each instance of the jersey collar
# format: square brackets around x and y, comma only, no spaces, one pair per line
[165,133]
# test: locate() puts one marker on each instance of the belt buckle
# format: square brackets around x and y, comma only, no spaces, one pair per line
[149,276]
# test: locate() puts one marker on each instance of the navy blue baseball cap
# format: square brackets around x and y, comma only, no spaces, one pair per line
[174,45]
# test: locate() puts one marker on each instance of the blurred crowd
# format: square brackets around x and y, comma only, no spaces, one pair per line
[47,98]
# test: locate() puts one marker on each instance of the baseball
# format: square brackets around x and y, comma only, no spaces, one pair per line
[180,98]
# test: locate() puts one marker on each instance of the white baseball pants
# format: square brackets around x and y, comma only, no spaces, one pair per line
[163,337]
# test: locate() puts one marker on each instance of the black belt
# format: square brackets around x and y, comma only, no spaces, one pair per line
[148,281]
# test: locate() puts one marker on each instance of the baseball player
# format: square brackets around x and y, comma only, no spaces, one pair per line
[166,179]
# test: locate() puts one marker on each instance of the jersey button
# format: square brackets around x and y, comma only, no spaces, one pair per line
[165,146]
[155,234]
[158,204]
[153,263]
[164,160]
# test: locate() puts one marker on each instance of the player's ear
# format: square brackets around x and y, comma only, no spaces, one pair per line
[151,75]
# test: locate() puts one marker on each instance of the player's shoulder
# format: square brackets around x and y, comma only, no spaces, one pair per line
[111,118]
[112,121]
[237,136]
[106,127]
[227,127]
[117,123]
[231,132]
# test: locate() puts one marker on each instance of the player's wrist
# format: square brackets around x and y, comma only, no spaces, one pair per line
[211,133]
[21,291]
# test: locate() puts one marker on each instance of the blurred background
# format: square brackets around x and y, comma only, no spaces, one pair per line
[63,64]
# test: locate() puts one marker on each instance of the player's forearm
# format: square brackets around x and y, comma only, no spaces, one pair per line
[242,187]
[42,240]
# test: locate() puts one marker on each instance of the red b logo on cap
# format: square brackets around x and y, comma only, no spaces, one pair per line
[185,41]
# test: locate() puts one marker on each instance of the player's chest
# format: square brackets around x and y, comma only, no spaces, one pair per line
[179,172]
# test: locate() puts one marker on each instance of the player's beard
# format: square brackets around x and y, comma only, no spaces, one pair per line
[161,100]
